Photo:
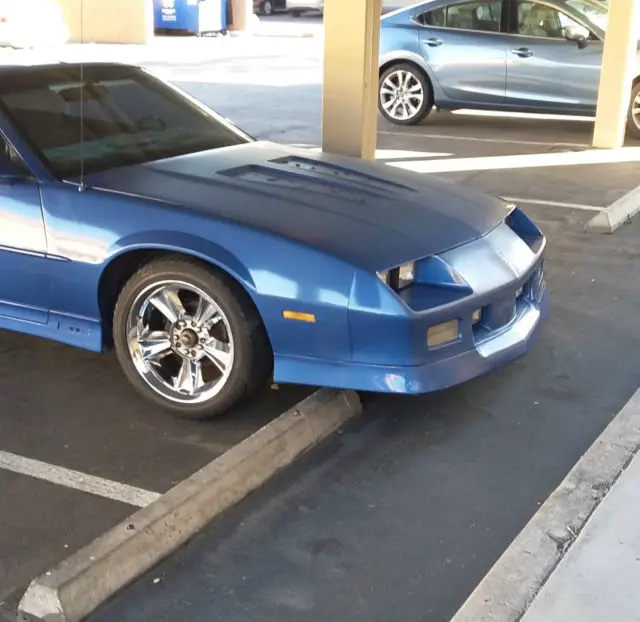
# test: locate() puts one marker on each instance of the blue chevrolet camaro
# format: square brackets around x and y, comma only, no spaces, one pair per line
[210,260]
[541,56]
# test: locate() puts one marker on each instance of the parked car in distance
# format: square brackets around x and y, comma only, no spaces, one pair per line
[512,55]
[212,262]
[31,23]
[268,7]
[297,7]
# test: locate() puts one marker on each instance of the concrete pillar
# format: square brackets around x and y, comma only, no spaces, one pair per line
[618,65]
[242,18]
[350,91]
[115,21]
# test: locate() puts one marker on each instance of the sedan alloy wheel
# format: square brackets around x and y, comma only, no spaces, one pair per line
[633,114]
[404,95]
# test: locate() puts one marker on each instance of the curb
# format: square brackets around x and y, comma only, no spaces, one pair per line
[79,584]
[507,591]
[617,214]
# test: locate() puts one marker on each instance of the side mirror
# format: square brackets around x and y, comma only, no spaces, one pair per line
[578,35]
[9,172]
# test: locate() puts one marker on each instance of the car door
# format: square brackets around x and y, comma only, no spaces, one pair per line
[24,285]
[545,69]
[465,46]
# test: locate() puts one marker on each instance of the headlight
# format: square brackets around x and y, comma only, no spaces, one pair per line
[399,277]
[406,274]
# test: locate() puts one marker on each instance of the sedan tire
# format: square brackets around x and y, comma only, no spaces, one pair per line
[633,114]
[189,339]
[405,96]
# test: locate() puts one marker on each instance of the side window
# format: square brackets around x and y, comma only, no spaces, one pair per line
[436,17]
[539,20]
[477,15]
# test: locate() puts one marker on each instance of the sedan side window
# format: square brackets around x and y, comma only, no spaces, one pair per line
[540,20]
[477,15]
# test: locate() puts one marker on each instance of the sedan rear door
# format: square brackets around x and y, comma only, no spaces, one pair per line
[465,45]
[546,70]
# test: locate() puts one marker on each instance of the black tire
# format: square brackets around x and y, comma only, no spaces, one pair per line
[253,359]
[267,8]
[427,102]
[633,124]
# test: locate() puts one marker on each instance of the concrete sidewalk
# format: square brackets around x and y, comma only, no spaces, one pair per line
[597,580]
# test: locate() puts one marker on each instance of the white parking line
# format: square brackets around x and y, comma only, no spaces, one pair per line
[582,206]
[522,161]
[387,154]
[78,481]
[477,139]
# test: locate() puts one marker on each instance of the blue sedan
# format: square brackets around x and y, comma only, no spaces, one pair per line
[133,217]
[512,55]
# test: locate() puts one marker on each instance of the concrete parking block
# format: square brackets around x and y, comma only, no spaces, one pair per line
[510,587]
[79,584]
[616,214]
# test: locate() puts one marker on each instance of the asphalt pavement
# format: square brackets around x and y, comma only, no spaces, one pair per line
[401,515]
[71,409]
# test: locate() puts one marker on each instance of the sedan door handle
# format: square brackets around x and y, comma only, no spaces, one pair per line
[433,42]
[522,52]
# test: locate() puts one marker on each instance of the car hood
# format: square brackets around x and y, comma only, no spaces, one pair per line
[367,213]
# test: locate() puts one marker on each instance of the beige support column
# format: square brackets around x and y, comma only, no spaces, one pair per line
[618,65]
[241,18]
[115,21]
[350,91]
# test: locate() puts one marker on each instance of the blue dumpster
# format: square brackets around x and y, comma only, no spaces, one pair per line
[193,16]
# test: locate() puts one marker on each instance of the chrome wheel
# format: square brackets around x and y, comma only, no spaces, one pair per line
[180,342]
[402,95]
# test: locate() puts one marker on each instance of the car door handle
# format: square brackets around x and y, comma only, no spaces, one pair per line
[522,52]
[433,42]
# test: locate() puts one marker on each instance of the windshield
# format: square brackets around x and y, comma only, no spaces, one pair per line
[595,11]
[130,117]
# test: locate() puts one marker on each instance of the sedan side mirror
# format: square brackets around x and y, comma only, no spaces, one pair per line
[578,35]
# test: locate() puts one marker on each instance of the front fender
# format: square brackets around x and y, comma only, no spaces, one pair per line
[186,244]
[278,275]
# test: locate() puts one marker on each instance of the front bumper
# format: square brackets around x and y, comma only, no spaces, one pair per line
[500,276]
[511,344]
